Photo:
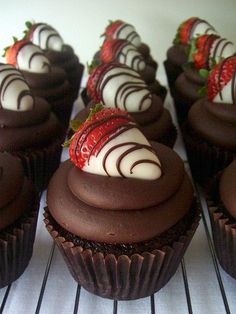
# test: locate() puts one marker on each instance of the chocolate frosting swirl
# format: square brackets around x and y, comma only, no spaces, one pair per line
[227,188]
[155,122]
[178,54]
[24,130]
[15,190]
[215,122]
[120,210]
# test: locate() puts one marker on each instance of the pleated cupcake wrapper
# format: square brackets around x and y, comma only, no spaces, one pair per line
[181,107]
[172,72]
[205,160]
[224,236]
[123,277]
[16,247]
[39,165]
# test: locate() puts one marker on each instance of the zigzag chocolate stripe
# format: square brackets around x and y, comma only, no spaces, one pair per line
[130,36]
[132,85]
[51,33]
[9,78]
[136,146]
[198,22]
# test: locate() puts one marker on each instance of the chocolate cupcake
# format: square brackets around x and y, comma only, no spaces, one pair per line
[116,85]
[206,51]
[59,54]
[44,80]
[123,52]
[119,29]
[222,210]
[29,129]
[19,205]
[122,210]
[177,54]
[210,129]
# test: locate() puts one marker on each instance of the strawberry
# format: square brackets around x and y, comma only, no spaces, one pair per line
[184,31]
[95,132]
[201,57]
[95,77]
[12,51]
[112,28]
[30,29]
[221,74]
[111,49]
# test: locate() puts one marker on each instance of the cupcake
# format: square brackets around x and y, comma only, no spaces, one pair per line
[210,129]
[117,85]
[206,51]
[222,210]
[121,210]
[59,54]
[123,52]
[45,80]
[19,205]
[119,29]
[28,128]
[177,54]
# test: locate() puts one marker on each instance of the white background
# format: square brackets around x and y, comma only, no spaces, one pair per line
[81,22]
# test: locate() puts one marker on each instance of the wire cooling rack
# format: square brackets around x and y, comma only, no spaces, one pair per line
[199,286]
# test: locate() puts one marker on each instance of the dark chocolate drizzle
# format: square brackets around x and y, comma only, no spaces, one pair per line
[196,23]
[233,88]
[47,28]
[216,48]
[10,78]
[130,36]
[127,87]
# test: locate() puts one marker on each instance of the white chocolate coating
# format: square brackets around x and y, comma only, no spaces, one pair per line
[14,91]
[32,59]
[47,38]
[148,166]
[127,32]
[201,28]
[221,48]
[227,93]
[130,56]
[123,88]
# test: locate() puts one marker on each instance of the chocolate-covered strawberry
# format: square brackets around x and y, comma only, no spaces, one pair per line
[110,143]
[45,80]
[221,84]
[207,50]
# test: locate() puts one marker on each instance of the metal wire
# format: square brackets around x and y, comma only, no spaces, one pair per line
[5,299]
[45,279]
[152,303]
[77,296]
[115,306]
[187,292]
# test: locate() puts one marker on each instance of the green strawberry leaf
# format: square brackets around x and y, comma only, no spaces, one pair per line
[203,73]
[93,111]
[28,24]
[192,50]
[75,124]
[202,91]
[67,143]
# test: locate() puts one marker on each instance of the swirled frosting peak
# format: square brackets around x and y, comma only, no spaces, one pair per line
[122,51]
[116,85]
[14,91]
[26,56]
[44,36]
[110,144]
[221,84]
[121,30]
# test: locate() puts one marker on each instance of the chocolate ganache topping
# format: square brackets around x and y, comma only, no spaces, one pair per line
[25,120]
[227,189]
[15,191]
[120,210]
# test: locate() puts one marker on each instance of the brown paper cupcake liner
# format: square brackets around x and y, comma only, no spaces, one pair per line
[224,236]
[122,277]
[182,107]
[16,246]
[205,159]
[40,164]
